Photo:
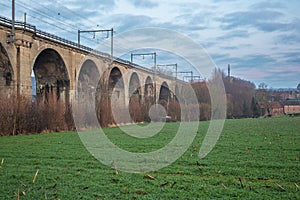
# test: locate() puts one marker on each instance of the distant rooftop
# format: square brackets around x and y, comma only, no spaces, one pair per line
[292,101]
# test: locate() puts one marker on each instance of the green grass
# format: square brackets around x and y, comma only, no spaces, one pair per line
[263,153]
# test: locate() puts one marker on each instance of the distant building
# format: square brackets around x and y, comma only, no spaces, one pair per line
[270,108]
[292,106]
[282,94]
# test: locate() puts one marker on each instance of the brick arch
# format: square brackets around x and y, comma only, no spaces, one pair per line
[60,51]
[52,77]
[149,87]
[88,78]
[115,79]
[86,92]
[100,65]
[135,98]
[134,84]
[111,96]
[164,94]
[6,69]
[149,97]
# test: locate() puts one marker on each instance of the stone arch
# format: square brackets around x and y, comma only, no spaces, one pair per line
[135,108]
[51,75]
[111,93]
[134,85]
[177,91]
[116,82]
[6,70]
[62,53]
[149,90]
[176,95]
[169,100]
[149,98]
[88,79]
[87,84]
[164,94]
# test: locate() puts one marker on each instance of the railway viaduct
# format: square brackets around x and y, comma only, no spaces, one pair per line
[65,70]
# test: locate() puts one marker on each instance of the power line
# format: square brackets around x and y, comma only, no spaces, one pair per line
[75,13]
[37,12]
[111,31]
[48,16]
[58,23]
[73,26]
[78,25]
[53,21]
[5,5]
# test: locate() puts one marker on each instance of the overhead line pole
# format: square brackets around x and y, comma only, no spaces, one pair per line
[112,44]
[97,31]
[13,22]
[193,78]
[143,54]
[174,66]
[187,72]
[155,67]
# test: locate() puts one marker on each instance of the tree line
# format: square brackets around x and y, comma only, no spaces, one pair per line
[240,97]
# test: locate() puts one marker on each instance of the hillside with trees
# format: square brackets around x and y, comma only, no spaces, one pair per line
[239,93]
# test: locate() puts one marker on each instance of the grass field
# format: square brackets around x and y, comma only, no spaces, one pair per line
[253,159]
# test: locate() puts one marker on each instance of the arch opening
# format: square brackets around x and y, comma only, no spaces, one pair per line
[88,80]
[170,102]
[52,91]
[149,98]
[6,71]
[111,93]
[52,79]
[149,90]
[86,93]
[116,86]
[164,95]
[135,107]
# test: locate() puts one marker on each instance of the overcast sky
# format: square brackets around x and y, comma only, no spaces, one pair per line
[259,39]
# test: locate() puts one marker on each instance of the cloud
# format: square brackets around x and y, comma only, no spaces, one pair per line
[144,3]
[249,61]
[235,34]
[273,26]
[263,68]
[288,69]
[254,61]
[220,57]
[267,5]
[288,39]
[124,22]
[292,37]
[96,5]
[250,18]
[254,74]
[209,44]
[292,58]
[128,21]
[251,67]
[279,76]
[218,1]
[252,36]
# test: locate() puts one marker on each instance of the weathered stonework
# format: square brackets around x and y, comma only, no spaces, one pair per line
[68,73]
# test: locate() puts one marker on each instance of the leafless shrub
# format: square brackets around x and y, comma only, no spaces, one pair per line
[19,115]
